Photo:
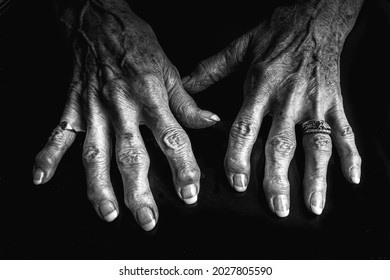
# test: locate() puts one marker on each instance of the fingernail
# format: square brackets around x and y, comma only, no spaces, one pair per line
[108,211]
[240,181]
[189,194]
[38,176]
[215,118]
[281,206]
[210,116]
[316,203]
[146,218]
[354,175]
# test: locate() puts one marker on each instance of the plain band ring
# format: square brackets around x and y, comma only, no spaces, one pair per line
[316,126]
[66,126]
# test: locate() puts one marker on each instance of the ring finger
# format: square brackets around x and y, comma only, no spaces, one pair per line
[317,145]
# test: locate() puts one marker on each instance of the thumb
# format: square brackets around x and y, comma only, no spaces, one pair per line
[217,67]
[186,111]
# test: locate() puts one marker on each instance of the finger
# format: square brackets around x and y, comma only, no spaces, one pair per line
[131,155]
[173,141]
[244,131]
[215,68]
[133,162]
[344,139]
[279,151]
[318,149]
[62,137]
[184,107]
[96,160]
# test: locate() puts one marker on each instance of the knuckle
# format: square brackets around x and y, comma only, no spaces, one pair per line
[320,143]
[188,174]
[147,82]
[358,158]
[46,159]
[91,193]
[353,154]
[281,145]
[131,156]
[56,139]
[92,154]
[242,130]
[174,139]
[276,184]
[95,191]
[346,132]
[134,197]
[318,174]
[236,162]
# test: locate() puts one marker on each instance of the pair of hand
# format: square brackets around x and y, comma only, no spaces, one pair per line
[123,79]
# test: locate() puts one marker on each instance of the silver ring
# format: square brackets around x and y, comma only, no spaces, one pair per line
[316,126]
[66,126]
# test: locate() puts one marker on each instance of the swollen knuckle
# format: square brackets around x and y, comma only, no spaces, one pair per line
[174,139]
[346,132]
[95,191]
[45,159]
[236,162]
[91,193]
[188,174]
[320,143]
[56,139]
[281,144]
[242,130]
[354,155]
[277,183]
[132,156]
[134,197]
[92,154]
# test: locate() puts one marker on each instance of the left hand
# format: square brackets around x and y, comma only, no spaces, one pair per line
[294,76]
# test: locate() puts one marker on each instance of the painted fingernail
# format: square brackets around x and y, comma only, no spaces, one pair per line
[38,176]
[146,218]
[189,194]
[316,203]
[354,175]
[108,211]
[281,206]
[240,182]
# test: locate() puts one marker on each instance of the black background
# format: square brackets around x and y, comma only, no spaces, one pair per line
[56,221]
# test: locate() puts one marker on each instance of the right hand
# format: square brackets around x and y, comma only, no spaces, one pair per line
[123,79]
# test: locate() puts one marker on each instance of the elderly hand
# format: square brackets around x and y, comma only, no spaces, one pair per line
[123,79]
[294,76]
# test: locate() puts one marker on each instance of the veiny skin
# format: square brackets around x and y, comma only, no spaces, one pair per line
[294,76]
[123,79]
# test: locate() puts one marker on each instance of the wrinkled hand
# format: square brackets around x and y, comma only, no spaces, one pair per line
[123,79]
[294,76]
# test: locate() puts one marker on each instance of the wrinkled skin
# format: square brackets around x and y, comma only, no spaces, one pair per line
[294,76]
[122,79]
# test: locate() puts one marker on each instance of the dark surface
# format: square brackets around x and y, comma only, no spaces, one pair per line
[56,221]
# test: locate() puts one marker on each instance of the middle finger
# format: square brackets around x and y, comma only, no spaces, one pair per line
[279,150]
